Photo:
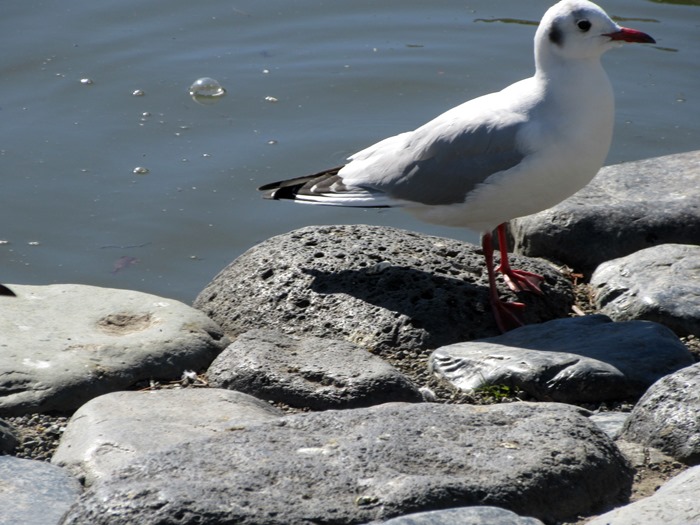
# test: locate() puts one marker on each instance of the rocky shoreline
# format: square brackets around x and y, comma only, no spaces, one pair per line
[352,374]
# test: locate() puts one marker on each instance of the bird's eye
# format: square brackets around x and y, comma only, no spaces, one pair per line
[583,25]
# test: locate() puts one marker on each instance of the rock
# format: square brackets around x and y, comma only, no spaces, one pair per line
[311,372]
[34,492]
[464,516]
[667,417]
[378,287]
[115,429]
[626,208]
[8,438]
[358,465]
[580,359]
[675,503]
[65,344]
[657,284]
[610,422]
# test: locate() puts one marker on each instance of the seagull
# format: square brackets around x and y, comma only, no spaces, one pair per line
[500,156]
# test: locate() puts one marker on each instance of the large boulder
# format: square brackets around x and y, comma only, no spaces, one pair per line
[667,417]
[582,359]
[34,492]
[656,284]
[115,429]
[309,372]
[379,287]
[463,516]
[359,465]
[626,208]
[65,344]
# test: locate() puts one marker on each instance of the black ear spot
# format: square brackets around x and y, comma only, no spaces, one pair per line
[555,35]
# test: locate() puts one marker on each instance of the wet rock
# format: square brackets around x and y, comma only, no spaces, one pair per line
[358,465]
[657,284]
[667,417]
[581,359]
[116,429]
[675,503]
[64,344]
[378,287]
[310,372]
[626,208]
[464,516]
[34,492]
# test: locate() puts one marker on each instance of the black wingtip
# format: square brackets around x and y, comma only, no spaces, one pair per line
[288,189]
[4,290]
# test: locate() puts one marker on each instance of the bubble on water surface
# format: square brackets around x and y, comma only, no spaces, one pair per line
[140,170]
[206,90]
[138,93]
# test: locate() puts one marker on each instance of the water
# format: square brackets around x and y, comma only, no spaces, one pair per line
[112,175]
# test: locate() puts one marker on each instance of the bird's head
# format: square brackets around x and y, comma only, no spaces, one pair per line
[578,29]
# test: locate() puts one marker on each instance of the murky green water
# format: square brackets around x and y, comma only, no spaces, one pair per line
[113,175]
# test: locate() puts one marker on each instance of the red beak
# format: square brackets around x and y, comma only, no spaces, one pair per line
[631,35]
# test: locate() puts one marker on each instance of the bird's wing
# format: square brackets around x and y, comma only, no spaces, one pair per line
[442,161]
[438,163]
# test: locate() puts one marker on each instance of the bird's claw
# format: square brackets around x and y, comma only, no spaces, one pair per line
[507,314]
[521,280]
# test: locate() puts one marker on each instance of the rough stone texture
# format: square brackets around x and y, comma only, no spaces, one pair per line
[34,492]
[463,516]
[359,465]
[115,429]
[668,416]
[310,372]
[626,208]
[64,344]
[659,284]
[375,286]
[8,438]
[675,503]
[579,359]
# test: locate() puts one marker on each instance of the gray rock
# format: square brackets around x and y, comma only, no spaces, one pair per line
[644,458]
[8,438]
[675,503]
[34,492]
[581,359]
[657,284]
[310,372]
[464,516]
[610,422]
[378,287]
[360,465]
[113,430]
[626,208]
[667,417]
[64,344]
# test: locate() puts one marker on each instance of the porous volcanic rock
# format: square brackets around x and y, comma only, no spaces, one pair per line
[379,287]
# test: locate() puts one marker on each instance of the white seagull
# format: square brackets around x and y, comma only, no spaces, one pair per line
[499,156]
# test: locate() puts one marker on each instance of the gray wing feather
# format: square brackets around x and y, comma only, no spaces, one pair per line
[441,162]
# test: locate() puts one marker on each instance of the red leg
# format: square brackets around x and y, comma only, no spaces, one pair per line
[517,280]
[506,314]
